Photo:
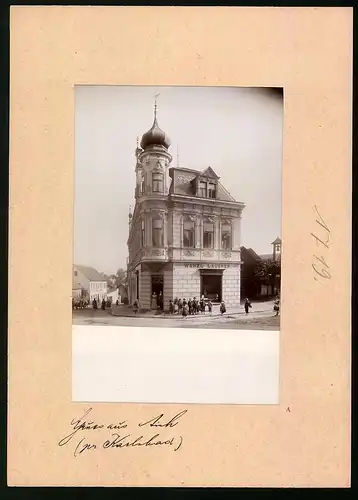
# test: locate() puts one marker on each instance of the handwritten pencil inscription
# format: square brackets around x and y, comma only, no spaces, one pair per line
[88,435]
[322,237]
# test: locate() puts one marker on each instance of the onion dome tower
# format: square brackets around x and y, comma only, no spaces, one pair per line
[154,159]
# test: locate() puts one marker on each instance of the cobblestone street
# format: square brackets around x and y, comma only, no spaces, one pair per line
[261,318]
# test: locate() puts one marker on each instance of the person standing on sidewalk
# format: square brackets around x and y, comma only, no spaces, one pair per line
[135,306]
[210,306]
[247,305]
[276,307]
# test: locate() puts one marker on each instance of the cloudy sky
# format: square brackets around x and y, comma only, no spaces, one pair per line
[236,131]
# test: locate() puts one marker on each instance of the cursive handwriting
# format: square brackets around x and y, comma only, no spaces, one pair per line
[126,441]
[156,421]
[101,436]
[83,425]
[319,264]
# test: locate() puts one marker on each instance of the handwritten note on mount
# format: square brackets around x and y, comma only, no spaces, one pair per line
[322,236]
[87,435]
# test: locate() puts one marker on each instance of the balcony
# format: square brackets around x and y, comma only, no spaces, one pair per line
[155,254]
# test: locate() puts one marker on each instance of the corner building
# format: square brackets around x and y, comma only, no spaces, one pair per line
[184,233]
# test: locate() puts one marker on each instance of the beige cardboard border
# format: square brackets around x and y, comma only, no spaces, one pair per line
[308,51]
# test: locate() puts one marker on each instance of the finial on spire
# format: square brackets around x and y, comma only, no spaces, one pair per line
[137,141]
[155,105]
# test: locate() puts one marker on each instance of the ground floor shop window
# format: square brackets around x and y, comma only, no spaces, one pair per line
[211,286]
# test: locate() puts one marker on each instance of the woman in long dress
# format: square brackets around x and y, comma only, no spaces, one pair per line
[154,301]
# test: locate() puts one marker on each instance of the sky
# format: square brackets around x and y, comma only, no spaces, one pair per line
[236,131]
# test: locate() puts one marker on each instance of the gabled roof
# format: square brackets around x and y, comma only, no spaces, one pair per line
[209,172]
[277,241]
[252,252]
[90,273]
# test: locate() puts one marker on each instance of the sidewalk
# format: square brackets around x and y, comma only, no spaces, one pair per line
[257,307]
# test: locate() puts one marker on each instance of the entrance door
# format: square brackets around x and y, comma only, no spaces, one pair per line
[157,288]
[211,286]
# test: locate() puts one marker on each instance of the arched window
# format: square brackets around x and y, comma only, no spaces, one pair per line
[208,234]
[226,236]
[157,183]
[157,232]
[188,233]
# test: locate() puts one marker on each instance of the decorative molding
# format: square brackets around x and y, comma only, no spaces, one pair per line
[188,253]
[157,252]
[206,253]
[183,179]
[226,255]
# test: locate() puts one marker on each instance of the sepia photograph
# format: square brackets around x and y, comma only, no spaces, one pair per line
[177,244]
[178,207]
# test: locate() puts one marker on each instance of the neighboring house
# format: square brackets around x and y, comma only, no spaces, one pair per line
[76,289]
[91,281]
[113,295]
[251,286]
[184,233]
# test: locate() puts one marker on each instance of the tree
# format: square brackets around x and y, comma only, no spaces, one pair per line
[121,277]
[269,273]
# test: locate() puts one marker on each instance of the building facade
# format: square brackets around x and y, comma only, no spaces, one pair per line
[184,232]
[90,280]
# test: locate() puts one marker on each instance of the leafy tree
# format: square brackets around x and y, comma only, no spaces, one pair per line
[269,272]
[121,277]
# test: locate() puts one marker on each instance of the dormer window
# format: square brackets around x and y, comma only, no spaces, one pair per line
[202,189]
[211,190]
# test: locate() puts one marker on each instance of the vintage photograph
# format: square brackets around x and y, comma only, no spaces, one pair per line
[177,207]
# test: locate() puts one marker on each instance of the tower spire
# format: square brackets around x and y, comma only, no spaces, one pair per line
[155,106]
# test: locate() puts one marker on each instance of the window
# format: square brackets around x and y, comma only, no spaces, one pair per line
[211,190]
[202,189]
[208,235]
[142,185]
[142,233]
[188,234]
[157,232]
[226,236]
[157,181]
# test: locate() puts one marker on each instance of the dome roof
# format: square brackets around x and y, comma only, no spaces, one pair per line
[155,136]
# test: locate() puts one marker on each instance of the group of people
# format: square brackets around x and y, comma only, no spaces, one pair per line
[79,303]
[104,303]
[157,301]
[193,306]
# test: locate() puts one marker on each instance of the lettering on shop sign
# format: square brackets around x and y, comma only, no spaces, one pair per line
[208,266]
[89,435]
[322,236]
